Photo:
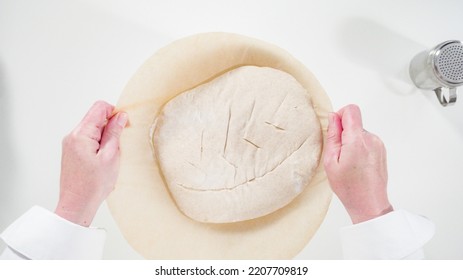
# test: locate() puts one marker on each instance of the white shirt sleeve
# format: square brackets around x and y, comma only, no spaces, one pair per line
[396,235]
[41,234]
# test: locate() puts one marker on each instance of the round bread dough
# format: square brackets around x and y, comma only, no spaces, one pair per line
[141,204]
[240,146]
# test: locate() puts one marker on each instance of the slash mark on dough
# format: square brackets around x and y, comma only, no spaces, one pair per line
[250,142]
[228,130]
[275,126]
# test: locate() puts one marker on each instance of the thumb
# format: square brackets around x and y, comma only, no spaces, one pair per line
[112,132]
[333,140]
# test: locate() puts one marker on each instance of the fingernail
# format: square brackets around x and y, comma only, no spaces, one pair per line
[122,119]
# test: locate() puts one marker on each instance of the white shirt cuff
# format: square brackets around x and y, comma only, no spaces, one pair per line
[41,234]
[396,235]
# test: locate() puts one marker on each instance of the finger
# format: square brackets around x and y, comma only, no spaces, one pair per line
[93,123]
[351,118]
[112,132]
[333,139]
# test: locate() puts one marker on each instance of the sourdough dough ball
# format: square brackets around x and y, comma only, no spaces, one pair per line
[238,147]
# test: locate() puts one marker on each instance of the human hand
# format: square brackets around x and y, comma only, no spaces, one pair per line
[355,163]
[90,163]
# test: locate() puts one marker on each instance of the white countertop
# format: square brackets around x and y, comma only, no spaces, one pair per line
[58,57]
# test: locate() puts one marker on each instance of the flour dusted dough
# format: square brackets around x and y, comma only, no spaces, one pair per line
[141,203]
[240,146]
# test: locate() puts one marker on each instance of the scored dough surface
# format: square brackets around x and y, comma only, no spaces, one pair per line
[240,146]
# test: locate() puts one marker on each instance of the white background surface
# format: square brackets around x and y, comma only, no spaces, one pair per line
[58,57]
